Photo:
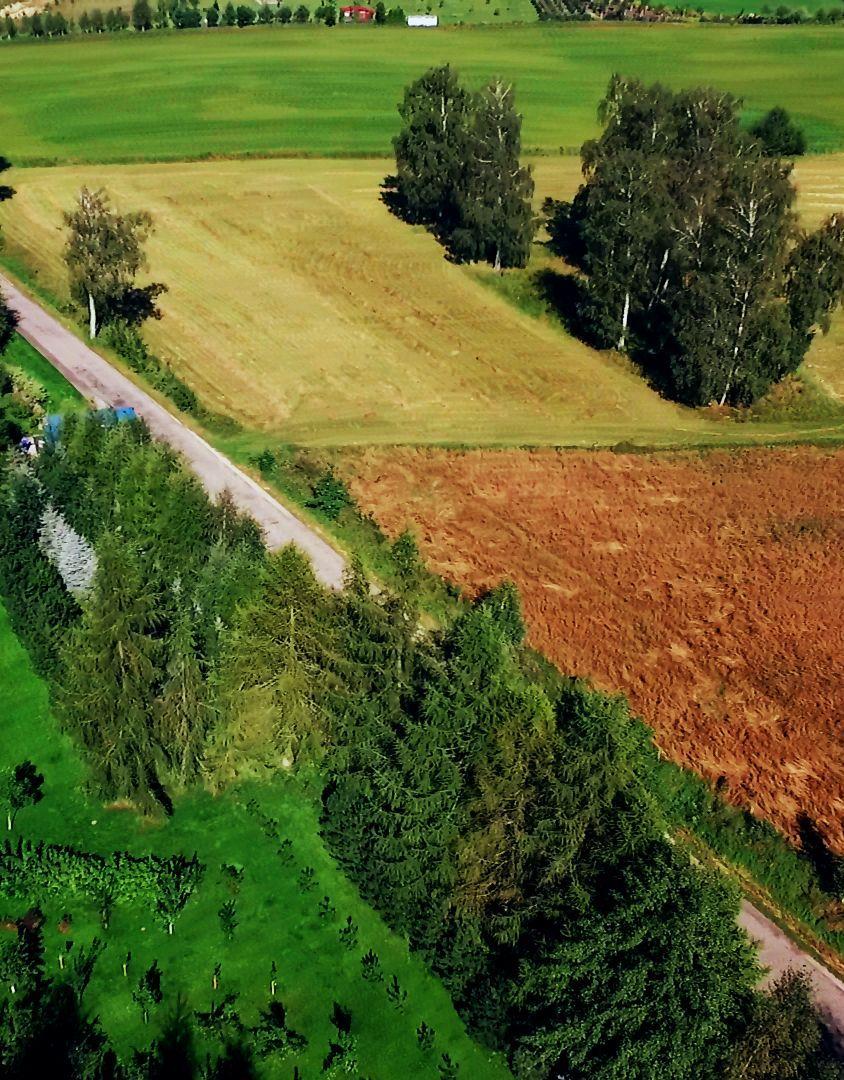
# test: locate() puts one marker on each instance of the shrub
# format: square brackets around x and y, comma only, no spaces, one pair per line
[331,495]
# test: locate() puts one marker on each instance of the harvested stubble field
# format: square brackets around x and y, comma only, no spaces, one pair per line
[301,307]
[709,588]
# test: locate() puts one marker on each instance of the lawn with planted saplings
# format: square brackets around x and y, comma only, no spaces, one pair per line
[295,931]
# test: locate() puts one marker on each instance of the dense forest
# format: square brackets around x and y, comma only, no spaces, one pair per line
[500,815]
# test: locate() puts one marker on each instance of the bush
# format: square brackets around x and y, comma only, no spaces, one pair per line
[331,496]
[779,135]
[126,341]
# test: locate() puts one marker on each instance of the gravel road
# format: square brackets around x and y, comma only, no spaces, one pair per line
[98,381]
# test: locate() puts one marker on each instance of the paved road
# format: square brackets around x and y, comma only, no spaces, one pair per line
[778,952]
[98,381]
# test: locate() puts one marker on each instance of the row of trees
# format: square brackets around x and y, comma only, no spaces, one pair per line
[179,15]
[500,816]
[622,10]
[32,872]
[134,671]
[458,170]
[691,256]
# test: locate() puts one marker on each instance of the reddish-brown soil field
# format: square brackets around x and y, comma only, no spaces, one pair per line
[709,588]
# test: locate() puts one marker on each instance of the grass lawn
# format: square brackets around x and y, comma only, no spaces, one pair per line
[475,12]
[276,920]
[310,90]
[298,305]
[61,396]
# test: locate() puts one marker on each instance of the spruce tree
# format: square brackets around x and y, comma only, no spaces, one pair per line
[182,709]
[651,978]
[105,697]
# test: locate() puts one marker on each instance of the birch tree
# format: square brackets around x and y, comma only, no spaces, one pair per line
[685,232]
[432,151]
[496,219]
[815,283]
[104,254]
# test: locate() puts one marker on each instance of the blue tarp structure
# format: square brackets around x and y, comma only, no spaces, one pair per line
[53,427]
[107,417]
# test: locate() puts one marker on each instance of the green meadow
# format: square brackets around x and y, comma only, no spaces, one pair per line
[277,921]
[309,90]
[61,396]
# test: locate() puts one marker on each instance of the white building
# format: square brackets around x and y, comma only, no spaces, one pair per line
[422,20]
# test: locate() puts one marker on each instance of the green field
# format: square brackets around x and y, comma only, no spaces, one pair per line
[276,921]
[61,396]
[308,90]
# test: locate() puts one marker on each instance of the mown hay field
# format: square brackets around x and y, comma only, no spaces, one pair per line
[299,306]
[708,588]
[310,90]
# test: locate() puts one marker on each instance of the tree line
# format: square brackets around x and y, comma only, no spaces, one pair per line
[502,817]
[620,11]
[143,17]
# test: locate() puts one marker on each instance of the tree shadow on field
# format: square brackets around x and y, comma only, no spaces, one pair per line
[828,866]
[565,295]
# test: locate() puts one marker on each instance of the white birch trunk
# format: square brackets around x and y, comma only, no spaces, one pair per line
[92,317]
[736,347]
[624,317]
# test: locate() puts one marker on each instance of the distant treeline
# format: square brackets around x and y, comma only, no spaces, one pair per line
[177,15]
[626,11]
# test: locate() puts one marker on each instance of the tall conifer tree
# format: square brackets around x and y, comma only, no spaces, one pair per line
[105,697]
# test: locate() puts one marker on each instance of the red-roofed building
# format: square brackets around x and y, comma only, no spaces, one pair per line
[357,13]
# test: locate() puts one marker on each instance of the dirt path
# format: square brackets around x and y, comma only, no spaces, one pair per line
[97,380]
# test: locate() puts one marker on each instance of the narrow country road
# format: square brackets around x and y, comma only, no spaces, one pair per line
[778,952]
[98,381]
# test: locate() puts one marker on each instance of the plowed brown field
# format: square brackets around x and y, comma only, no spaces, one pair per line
[708,588]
